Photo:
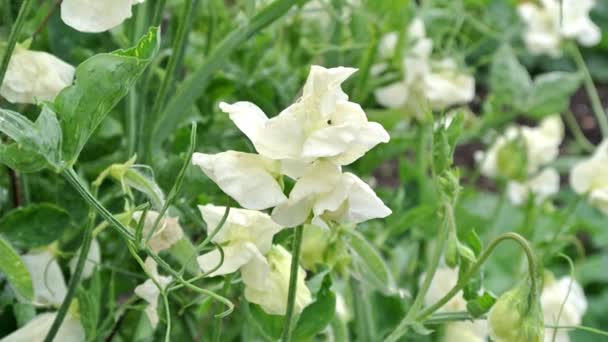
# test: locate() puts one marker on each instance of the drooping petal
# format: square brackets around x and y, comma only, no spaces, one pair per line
[248,117]
[241,226]
[71,330]
[248,178]
[34,76]
[149,291]
[235,256]
[273,297]
[47,278]
[96,16]
[392,96]
[168,232]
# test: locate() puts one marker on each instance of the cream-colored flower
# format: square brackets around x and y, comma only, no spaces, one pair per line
[547,25]
[541,146]
[475,331]
[149,290]
[542,185]
[590,177]
[267,283]
[249,178]
[94,15]
[321,124]
[71,330]
[168,232]
[245,237]
[48,281]
[330,196]
[439,82]
[34,76]
[566,296]
[93,259]
[445,85]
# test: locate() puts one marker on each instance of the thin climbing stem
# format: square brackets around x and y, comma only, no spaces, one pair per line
[596,103]
[74,280]
[462,282]
[293,282]
[12,38]
[575,128]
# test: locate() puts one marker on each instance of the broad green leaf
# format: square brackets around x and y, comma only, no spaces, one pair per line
[316,316]
[32,140]
[375,269]
[35,225]
[509,80]
[551,93]
[101,82]
[269,325]
[15,271]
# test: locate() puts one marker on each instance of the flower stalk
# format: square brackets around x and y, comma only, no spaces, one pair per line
[293,280]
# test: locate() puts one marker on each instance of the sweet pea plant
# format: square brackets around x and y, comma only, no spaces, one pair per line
[293,170]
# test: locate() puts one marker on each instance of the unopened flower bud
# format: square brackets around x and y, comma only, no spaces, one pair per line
[517,316]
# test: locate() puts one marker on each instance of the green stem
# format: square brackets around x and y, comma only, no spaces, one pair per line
[178,47]
[579,137]
[596,103]
[75,181]
[12,38]
[293,282]
[436,258]
[158,12]
[532,269]
[74,281]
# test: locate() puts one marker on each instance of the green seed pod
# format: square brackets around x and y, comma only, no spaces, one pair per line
[517,316]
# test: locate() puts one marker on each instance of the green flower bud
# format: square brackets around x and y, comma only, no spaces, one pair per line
[517,316]
[512,160]
[451,250]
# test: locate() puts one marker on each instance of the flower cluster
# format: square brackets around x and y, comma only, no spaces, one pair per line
[440,82]
[548,25]
[520,156]
[308,142]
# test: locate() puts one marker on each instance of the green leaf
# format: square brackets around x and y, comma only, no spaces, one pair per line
[269,325]
[35,225]
[481,305]
[32,140]
[15,271]
[316,316]
[551,93]
[89,306]
[101,82]
[509,80]
[375,270]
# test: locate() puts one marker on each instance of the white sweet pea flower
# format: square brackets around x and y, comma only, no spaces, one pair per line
[438,82]
[321,124]
[331,196]
[267,283]
[574,306]
[445,85]
[541,146]
[547,25]
[590,177]
[475,331]
[542,185]
[168,232]
[249,178]
[245,237]
[149,290]
[48,281]
[96,16]
[34,76]
[71,330]
[93,259]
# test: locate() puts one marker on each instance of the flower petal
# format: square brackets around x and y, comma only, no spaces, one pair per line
[96,16]
[47,278]
[248,117]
